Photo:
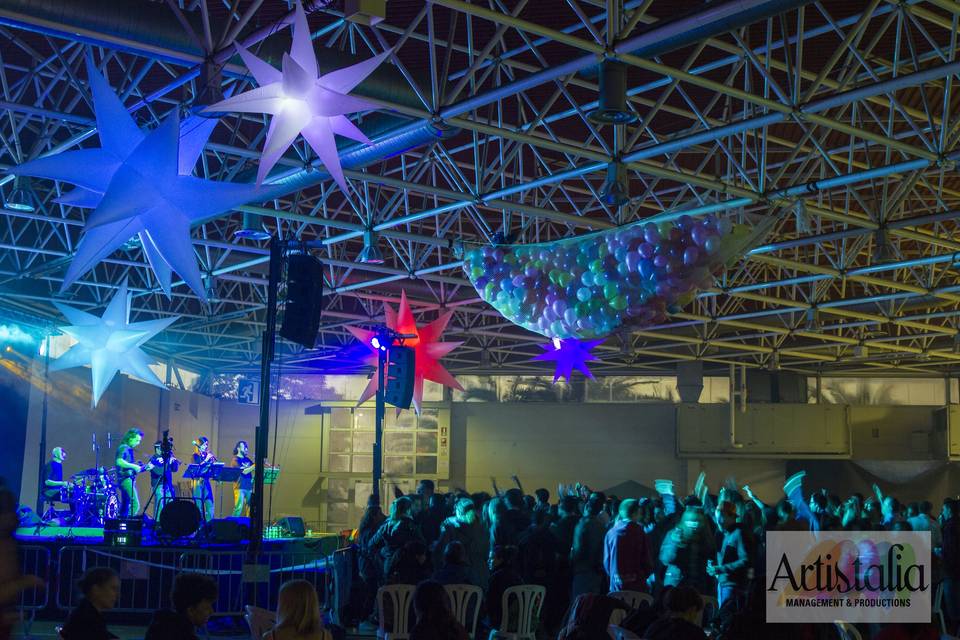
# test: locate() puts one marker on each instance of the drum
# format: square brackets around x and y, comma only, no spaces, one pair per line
[180,518]
[71,493]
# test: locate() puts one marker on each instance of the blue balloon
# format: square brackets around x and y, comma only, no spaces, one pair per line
[583,294]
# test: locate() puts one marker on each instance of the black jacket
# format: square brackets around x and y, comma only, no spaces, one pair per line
[86,623]
[674,629]
[170,625]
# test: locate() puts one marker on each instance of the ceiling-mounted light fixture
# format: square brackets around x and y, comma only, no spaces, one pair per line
[371,252]
[252,228]
[21,198]
[612,102]
[616,188]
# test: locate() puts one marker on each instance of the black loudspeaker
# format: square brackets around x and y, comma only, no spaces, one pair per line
[292,527]
[401,363]
[301,317]
[227,530]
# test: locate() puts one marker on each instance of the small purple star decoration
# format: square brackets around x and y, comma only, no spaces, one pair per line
[569,354]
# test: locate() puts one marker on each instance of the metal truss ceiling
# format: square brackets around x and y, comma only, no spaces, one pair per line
[837,117]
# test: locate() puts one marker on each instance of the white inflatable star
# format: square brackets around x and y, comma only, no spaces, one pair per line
[303,102]
[140,185]
[109,344]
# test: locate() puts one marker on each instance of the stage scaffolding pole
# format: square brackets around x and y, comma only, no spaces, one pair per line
[41,478]
[263,432]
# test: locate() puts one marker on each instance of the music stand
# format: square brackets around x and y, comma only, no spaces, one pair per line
[208,471]
[228,474]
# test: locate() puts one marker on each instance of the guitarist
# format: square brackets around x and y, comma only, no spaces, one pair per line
[127,470]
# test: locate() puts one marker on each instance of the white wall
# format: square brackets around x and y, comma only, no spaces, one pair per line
[601,445]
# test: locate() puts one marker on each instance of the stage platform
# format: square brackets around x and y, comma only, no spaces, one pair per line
[41,534]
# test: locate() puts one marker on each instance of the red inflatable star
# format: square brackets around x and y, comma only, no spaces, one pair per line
[427,346]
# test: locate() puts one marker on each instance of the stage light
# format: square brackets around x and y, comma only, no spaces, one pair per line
[21,198]
[252,228]
[371,253]
[375,341]
[557,344]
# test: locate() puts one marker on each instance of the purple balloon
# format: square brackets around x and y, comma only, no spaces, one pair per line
[660,261]
[690,256]
[648,250]
[651,233]
[712,244]
[647,268]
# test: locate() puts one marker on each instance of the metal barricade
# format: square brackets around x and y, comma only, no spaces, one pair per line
[146,574]
[35,561]
[226,567]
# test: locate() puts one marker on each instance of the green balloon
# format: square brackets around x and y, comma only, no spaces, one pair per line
[619,303]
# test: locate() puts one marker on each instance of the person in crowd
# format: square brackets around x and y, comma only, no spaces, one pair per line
[538,551]
[368,560]
[586,555]
[589,617]
[683,609]
[626,557]
[243,488]
[558,591]
[732,565]
[503,575]
[431,517]
[950,560]
[435,621]
[298,614]
[101,589]
[464,527]
[454,569]
[410,565]
[685,552]
[12,583]
[511,523]
[395,533]
[923,521]
[193,597]
[543,503]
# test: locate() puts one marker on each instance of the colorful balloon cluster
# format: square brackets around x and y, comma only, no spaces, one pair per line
[587,287]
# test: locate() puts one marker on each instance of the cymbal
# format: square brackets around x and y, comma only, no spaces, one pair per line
[87,473]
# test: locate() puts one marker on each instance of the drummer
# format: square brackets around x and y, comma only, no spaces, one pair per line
[53,476]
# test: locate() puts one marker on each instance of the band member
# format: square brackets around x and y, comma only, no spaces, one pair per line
[53,474]
[202,491]
[127,470]
[244,486]
[161,476]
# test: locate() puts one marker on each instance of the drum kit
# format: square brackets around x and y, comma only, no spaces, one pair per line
[92,496]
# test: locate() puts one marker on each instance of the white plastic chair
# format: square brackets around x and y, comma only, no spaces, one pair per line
[401,600]
[632,599]
[259,620]
[530,600]
[847,631]
[465,602]
[619,633]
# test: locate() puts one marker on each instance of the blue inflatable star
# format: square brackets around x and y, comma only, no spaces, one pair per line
[569,354]
[139,184]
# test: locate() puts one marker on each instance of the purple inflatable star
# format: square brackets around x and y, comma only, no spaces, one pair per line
[568,355]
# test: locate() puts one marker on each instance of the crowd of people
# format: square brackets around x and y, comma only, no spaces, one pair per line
[683,550]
